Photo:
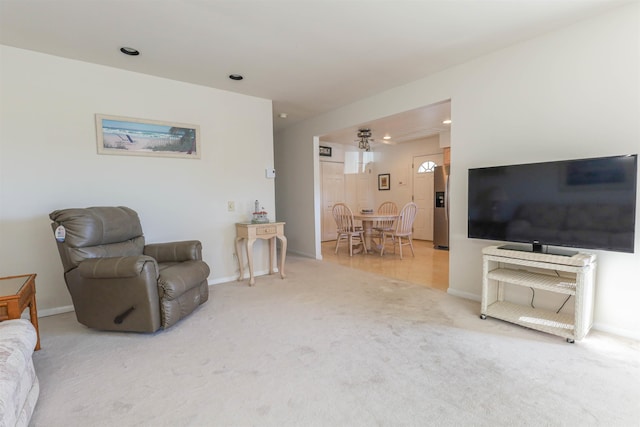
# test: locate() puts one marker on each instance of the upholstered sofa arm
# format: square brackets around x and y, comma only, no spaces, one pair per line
[116,267]
[175,251]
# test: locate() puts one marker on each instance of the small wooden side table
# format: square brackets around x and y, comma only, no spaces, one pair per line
[16,294]
[268,231]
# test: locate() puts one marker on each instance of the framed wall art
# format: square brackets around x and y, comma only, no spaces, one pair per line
[384,181]
[325,151]
[141,137]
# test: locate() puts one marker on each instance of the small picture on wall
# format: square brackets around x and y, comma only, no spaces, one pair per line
[384,181]
[141,137]
[325,151]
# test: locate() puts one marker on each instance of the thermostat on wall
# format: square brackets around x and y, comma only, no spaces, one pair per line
[270,173]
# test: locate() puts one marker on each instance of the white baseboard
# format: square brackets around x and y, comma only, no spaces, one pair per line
[465,295]
[222,280]
[235,277]
[302,254]
[55,310]
[625,333]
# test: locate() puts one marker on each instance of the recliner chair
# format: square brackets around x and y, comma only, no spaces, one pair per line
[117,282]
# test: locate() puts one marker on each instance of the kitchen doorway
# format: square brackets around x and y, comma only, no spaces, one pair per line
[423,194]
[400,145]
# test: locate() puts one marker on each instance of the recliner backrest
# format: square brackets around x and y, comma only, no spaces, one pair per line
[97,232]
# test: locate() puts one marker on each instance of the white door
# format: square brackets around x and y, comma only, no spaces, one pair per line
[423,195]
[364,189]
[332,182]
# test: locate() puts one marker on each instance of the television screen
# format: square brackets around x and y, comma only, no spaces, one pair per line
[585,203]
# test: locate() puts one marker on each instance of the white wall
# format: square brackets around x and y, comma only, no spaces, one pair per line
[569,94]
[48,161]
[396,160]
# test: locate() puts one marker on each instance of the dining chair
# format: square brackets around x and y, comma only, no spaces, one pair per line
[346,228]
[403,229]
[386,208]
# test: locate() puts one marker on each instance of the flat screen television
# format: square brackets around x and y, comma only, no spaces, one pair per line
[583,203]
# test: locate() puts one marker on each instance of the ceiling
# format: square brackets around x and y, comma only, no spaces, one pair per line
[308,56]
[403,127]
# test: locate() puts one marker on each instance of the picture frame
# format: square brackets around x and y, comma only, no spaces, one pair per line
[384,181]
[324,151]
[143,137]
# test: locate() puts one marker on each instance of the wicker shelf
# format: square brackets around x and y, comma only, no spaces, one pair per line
[561,285]
[533,318]
[539,271]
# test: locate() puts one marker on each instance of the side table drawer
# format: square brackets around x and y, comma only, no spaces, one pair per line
[261,231]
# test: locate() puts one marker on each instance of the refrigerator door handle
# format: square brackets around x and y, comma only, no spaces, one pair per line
[446,197]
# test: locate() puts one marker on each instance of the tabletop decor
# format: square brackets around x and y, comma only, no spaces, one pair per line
[259,215]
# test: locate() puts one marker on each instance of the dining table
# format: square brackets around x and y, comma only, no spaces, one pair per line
[368,222]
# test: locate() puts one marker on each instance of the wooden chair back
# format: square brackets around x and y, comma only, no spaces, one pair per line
[387,208]
[345,223]
[343,216]
[404,223]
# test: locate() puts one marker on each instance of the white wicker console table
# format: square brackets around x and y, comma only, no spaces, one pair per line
[568,275]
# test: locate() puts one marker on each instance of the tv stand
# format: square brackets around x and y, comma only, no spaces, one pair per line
[501,267]
[537,248]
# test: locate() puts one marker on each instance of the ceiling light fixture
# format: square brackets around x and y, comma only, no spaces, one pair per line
[364,135]
[446,122]
[130,51]
[283,115]
[236,77]
[386,137]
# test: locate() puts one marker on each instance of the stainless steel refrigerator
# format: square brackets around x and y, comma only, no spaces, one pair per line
[441,208]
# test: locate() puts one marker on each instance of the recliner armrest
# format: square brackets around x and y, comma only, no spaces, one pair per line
[115,267]
[175,251]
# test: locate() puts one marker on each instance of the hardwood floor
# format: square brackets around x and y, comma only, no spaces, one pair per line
[430,267]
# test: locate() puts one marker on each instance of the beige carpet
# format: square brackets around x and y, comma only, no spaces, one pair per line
[333,346]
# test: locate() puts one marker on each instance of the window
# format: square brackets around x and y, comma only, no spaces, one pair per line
[427,167]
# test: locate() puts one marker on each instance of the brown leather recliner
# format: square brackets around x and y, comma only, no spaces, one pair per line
[117,282]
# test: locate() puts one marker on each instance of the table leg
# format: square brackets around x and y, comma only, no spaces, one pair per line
[283,255]
[250,242]
[33,313]
[239,256]
[272,253]
[368,232]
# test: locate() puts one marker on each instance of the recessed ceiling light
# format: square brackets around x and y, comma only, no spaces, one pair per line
[130,51]
[283,115]
[236,76]
[386,137]
[446,122]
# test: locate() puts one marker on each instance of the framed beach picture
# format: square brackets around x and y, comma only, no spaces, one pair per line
[141,137]
[384,181]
